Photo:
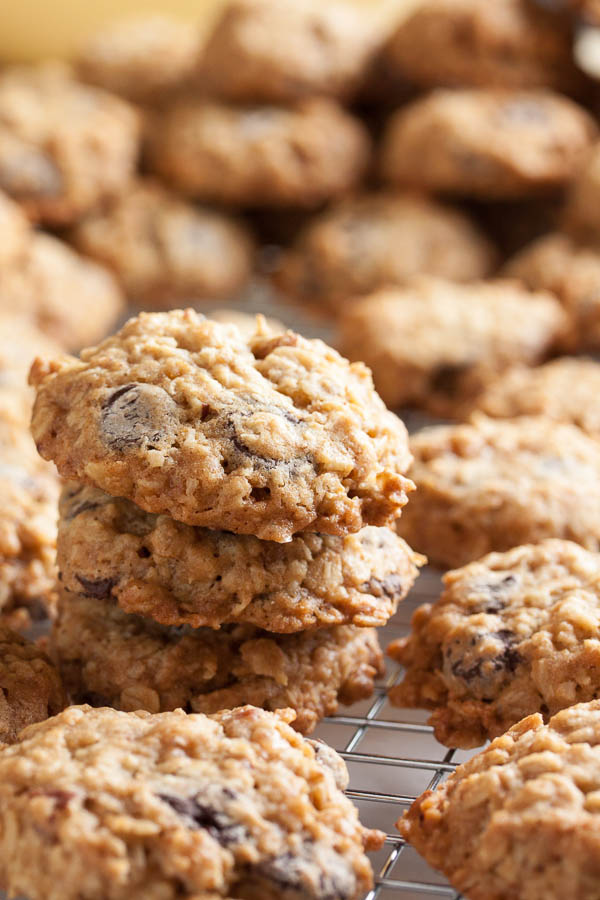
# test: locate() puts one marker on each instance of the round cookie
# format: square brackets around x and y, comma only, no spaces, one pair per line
[267,435]
[73,300]
[143,58]
[436,345]
[30,686]
[512,634]
[166,252]
[521,818]
[14,230]
[286,51]
[260,155]
[467,43]
[487,143]
[64,146]
[123,806]
[571,271]
[110,658]
[565,390]
[178,574]
[582,216]
[375,240]
[494,484]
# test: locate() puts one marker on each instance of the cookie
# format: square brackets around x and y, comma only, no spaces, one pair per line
[30,686]
[582,216]
[520,819]
[178,574]
[128,806]
[487,143]
[376,240]
[20,342]
[110,658]
[436,345]
[512,634]
[571,271]
[143,58]
[166,252]
[14,230]
[245,322]
[467,43]
[64,146]
[260,155]
[494,484]
[268,435]
[73,300]
[269,51]
[565,390]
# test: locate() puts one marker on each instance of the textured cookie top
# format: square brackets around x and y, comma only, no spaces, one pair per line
[435,343]
[141,58]
[512,634]
[63,145]
[260,155]
[30,687]
[466,43]
[520,819]
[565,390]
[487,143]
[165,251]
[267,435]
[180,574]
[174,805]
[283,51]
[374,240]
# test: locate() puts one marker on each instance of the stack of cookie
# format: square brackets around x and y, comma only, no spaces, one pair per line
[225,539]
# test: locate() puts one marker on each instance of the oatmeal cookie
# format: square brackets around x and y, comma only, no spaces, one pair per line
[14,231]
[271,51]
[520,819]
[467,43]
[247,323]
[267,435]
[142,58]
[64,146]
[20,342]
[179,574]
[376,240]
[487,143]
[260,155]
[30,686]
[582,217]
[494,484]
[571,271]
[565,390]
[72,299]
[111,658]
[122,806]
[512,634]
[436,344]
[166,252]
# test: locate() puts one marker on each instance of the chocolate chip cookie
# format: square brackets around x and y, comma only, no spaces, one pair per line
[166,252]
[487,143]
[279,52]
[376,240]
[467,43]
[64,146]
[571,271]
[521,818]
[72,299]
[494,484]
[512,634]
[110,658]
[260,155]
[178,574]
[128,806]
[267,435]
[565,390]
[436,345]
[143,58]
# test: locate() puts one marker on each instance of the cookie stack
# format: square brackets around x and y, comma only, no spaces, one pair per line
[224,540]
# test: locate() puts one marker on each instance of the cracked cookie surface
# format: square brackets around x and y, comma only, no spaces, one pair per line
[267,435]
[122,806]
[520,819]
[512,634]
